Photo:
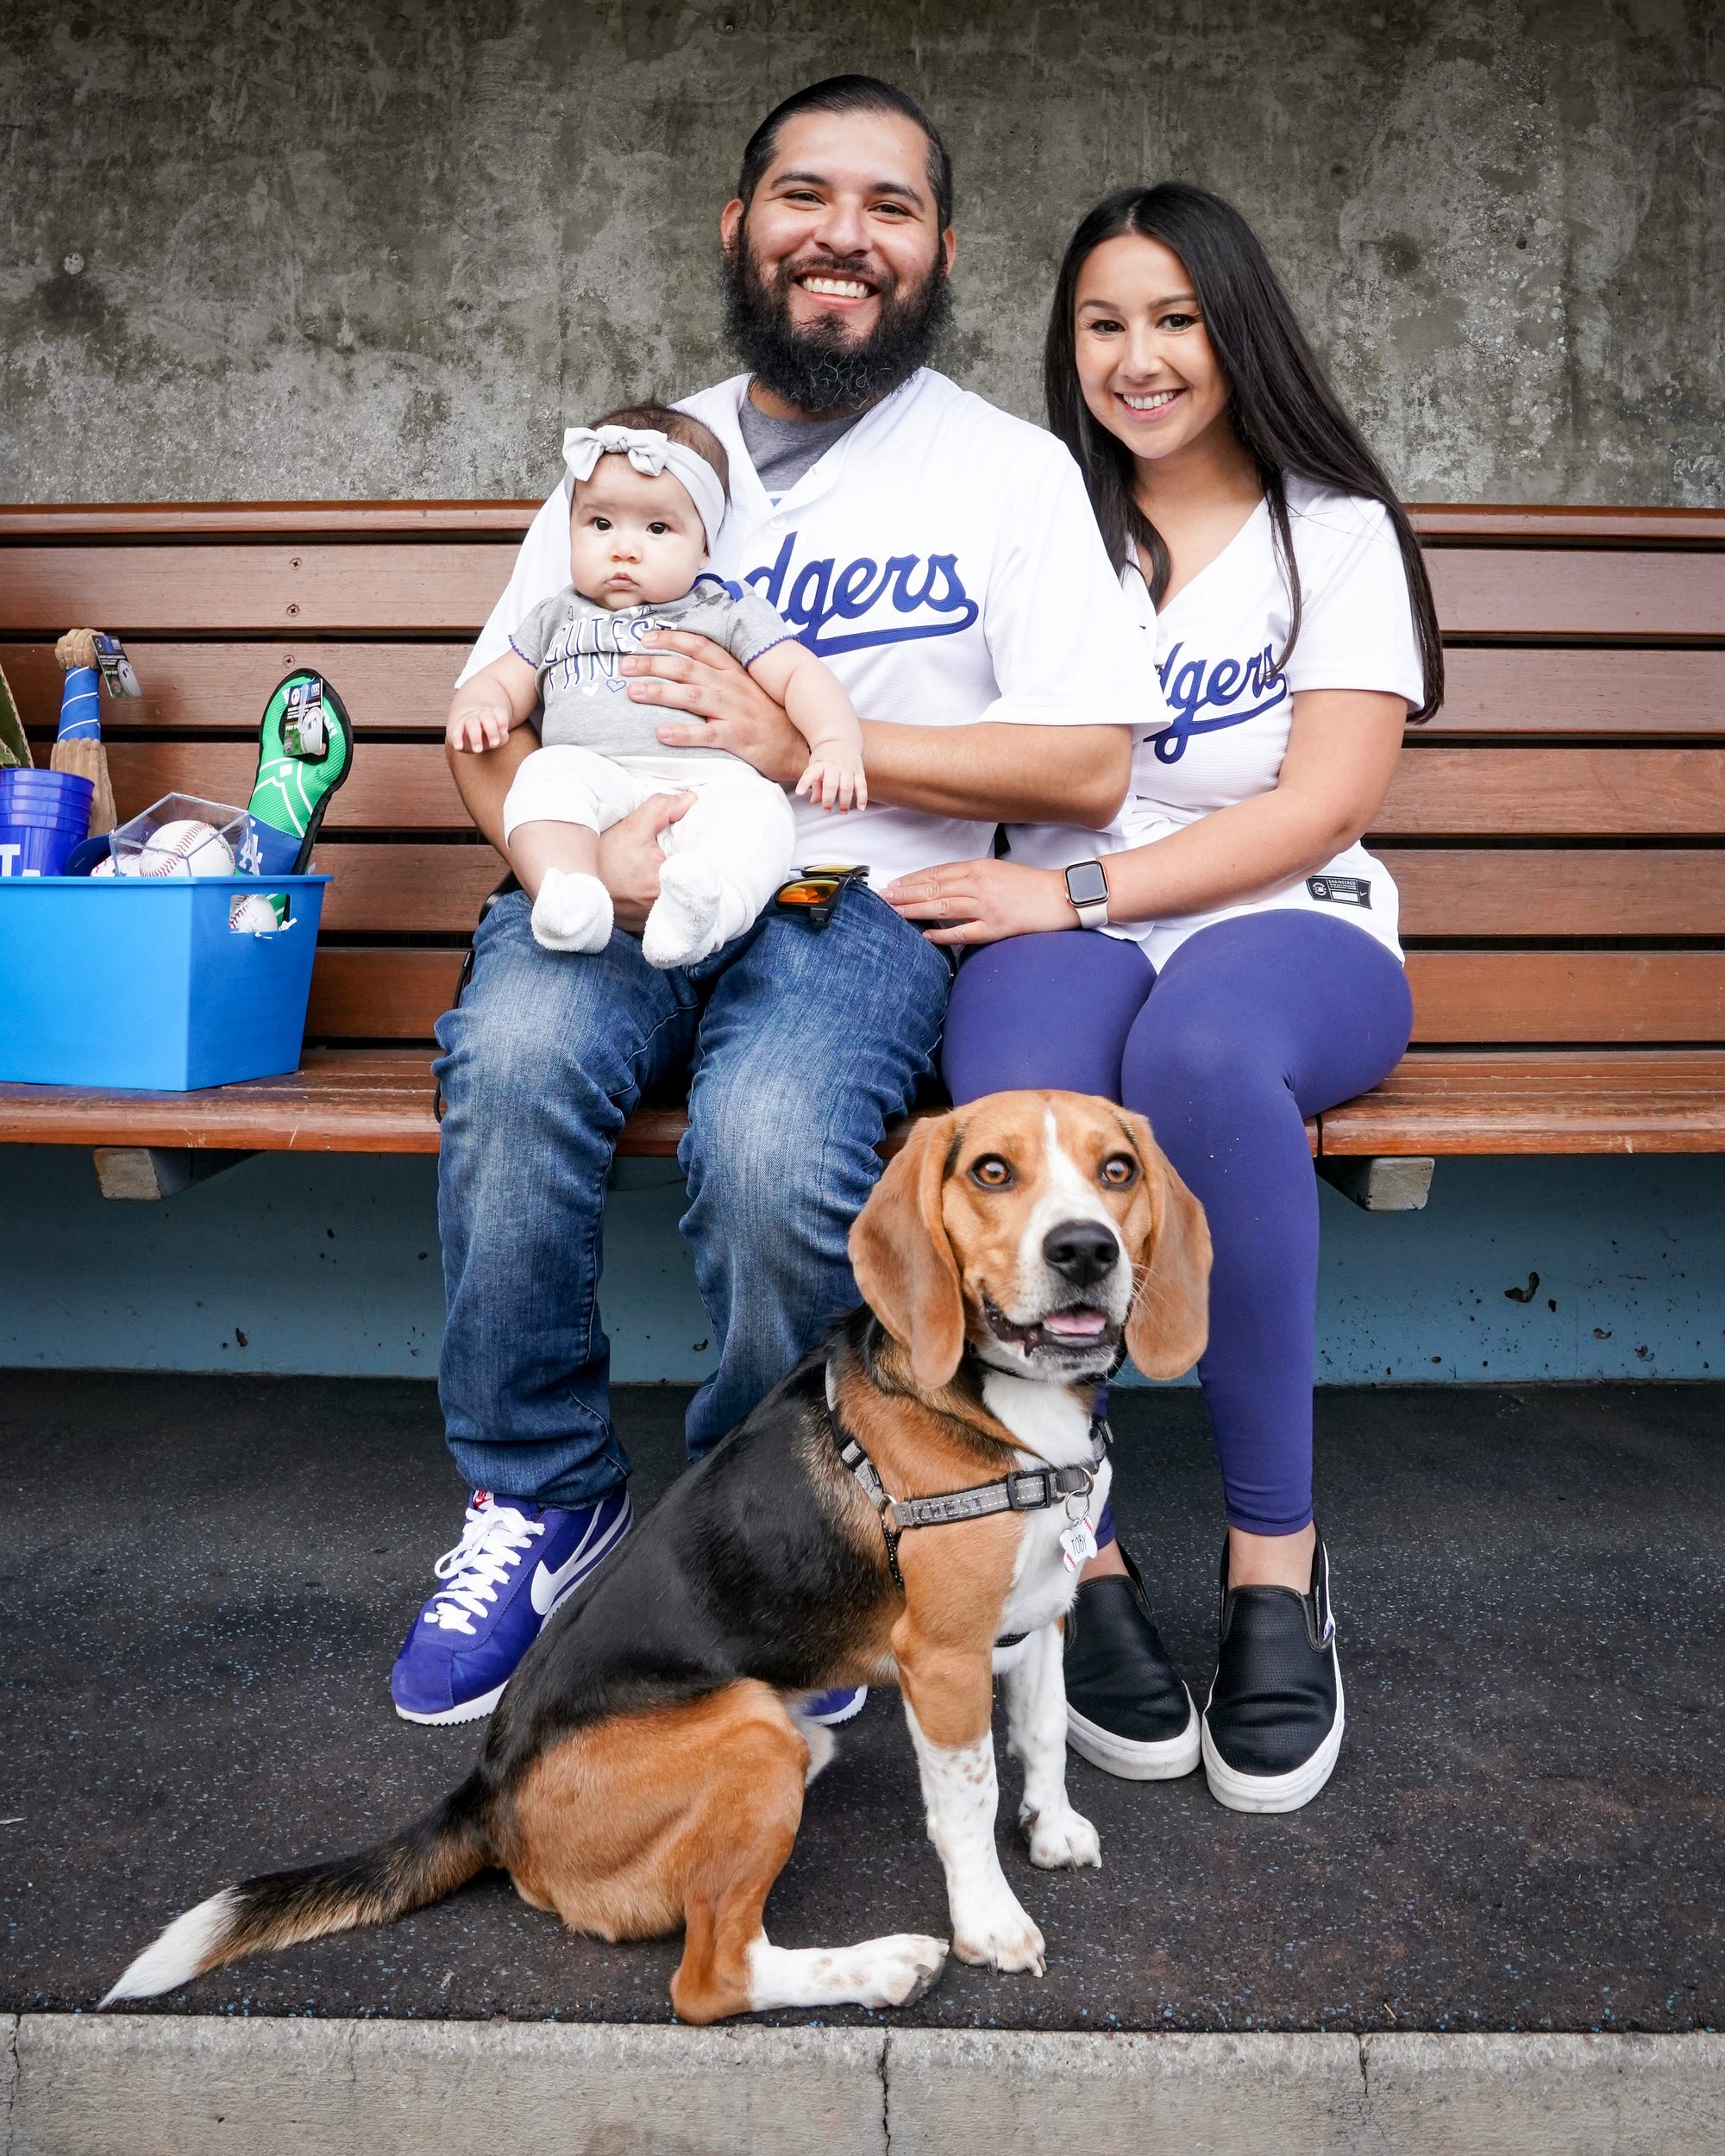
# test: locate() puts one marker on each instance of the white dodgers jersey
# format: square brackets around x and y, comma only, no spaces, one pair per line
[942,559]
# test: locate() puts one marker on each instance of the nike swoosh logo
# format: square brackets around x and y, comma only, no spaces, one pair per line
[548,1586]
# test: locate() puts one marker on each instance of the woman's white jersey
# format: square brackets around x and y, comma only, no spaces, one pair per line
[1229,705]
[942,558]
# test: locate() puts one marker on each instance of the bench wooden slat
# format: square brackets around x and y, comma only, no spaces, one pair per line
[1492,689]
[1460,523]
[142,521]
[340,1100]
[1442,522]
[449,585]
[352,1102]
[395,785]
[394,890]
[1488,996]
[1458,1100]
[1578,595]
[193,688]
[305,590]
[1438,1101]
[1437,793]
[365,993]
[1597,893]
[1555,792]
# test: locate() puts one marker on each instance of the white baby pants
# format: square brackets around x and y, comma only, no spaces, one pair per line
[741,832]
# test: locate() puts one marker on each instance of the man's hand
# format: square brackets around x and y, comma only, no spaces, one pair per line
[692,673]
[980,901]
[629,857]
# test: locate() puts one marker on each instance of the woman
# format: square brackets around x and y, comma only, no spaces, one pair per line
[1246,974]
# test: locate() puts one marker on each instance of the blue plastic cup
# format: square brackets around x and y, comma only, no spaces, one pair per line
[43,815]
[35,849]
[62,789]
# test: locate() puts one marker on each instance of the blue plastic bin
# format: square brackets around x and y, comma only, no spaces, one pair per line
[142,984]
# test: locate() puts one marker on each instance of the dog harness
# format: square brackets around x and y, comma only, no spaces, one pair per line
[1027,1489]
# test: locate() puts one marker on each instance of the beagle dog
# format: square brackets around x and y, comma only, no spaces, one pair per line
[912,1505]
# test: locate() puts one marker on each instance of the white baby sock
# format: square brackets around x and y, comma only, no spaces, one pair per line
[696,910]
[572,912]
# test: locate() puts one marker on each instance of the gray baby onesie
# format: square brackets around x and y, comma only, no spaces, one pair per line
[574,645]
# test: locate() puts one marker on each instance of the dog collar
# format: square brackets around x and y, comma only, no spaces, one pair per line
[1027,1489]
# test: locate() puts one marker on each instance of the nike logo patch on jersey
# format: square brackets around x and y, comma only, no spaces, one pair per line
[1341,890]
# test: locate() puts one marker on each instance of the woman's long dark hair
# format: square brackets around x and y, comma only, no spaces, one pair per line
[1283,408]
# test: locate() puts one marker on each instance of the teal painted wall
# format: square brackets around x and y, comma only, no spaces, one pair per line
[329,1264]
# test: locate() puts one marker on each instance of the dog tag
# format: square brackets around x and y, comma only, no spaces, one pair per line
[1079,1542]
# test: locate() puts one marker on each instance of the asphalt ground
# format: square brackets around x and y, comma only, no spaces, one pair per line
[203,1583]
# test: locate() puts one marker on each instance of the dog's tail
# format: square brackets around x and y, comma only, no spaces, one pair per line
[409,1871]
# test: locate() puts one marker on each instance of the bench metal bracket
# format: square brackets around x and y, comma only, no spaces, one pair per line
[1381,1183]
[158,1171]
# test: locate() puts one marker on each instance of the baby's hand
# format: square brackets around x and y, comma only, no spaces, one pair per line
[484,723]
[835,779]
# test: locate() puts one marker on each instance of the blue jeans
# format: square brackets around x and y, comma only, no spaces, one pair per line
[800,1048]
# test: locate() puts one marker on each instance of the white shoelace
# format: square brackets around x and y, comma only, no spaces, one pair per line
[489,1549]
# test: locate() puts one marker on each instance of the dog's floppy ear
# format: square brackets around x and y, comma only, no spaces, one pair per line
[1169,1321]
[903,1260]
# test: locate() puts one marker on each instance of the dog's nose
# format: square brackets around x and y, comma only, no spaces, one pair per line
[1084,1250]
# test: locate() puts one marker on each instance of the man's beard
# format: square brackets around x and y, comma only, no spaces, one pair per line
[816,369]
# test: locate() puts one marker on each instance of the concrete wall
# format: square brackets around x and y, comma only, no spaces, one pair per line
[304,247]
[1518,1269]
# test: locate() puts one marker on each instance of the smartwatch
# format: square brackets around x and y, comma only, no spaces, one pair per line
[1087,885]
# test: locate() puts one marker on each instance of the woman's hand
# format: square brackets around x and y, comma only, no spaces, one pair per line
[980,901]
[630,858]
[692,673]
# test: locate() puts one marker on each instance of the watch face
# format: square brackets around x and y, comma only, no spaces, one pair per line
[1086,885]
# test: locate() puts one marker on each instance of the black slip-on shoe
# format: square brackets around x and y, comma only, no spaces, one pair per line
[1273,1723]
[1127,1711]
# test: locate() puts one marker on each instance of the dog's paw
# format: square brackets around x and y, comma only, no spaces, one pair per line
[1062,1840]
[902,1968]
[997,1935]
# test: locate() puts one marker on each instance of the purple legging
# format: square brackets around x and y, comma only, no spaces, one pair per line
[1252,1025]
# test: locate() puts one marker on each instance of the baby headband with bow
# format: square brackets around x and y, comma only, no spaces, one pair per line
[652,452]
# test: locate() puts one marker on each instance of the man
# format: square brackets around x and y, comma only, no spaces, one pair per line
[941,557]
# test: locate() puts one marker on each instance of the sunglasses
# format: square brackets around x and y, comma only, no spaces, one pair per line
[812,892]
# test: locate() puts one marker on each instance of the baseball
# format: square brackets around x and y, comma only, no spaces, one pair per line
[186,848]
[253,915]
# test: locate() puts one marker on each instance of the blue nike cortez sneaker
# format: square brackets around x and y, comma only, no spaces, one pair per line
[514,1564]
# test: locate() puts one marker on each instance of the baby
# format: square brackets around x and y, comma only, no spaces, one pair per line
[648,489]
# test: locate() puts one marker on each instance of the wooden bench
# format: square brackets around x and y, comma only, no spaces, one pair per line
[1558,832]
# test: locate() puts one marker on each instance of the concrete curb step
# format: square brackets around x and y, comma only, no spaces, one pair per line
[178,2086]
